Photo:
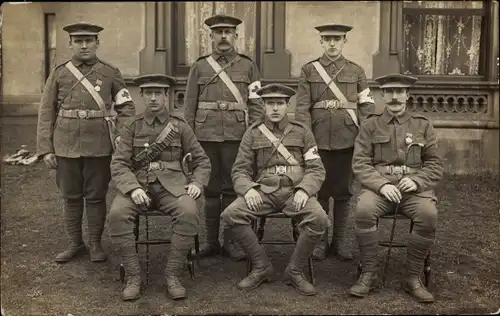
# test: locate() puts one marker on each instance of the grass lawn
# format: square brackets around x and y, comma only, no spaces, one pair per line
[465,276]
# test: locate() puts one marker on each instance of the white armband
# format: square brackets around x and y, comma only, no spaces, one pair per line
[365,96]
[254,86]
[122,96]
[312,153]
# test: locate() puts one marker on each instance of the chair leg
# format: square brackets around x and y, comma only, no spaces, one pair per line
[136,232]
[359,270]
[122,273]
[197,248]
[260,230]
[427,270]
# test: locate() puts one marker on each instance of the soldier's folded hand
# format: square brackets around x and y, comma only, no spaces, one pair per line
[193,190]
[253,199]
[407,185]
[139,197]
[50,160]
[300,199]
[391,193]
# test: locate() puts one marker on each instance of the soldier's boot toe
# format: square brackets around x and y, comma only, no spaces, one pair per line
[319,253]
[299,282]
[175,289]
[132,290]
[417,290]
[364,285]
[256,277]
[206,251]
[234,252]
[72,252]
[97,253]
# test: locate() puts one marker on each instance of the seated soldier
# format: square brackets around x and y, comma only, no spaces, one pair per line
[277,169]
[151,175]
[396,160]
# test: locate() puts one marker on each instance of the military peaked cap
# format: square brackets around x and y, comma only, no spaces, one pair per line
[333,29]
[395,81]
[221,20]
[82,28]
[154,81]
[275,90]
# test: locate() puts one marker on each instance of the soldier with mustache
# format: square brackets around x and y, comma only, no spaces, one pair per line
[220,104]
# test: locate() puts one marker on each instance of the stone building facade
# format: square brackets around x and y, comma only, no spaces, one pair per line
[452,46]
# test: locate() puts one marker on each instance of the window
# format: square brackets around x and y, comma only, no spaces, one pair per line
[50,42]
[445,38]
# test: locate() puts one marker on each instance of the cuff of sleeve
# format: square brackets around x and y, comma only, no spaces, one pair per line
[307,189]
[375,186]
[200,186]
[419,182]
[127,189]
[252,185]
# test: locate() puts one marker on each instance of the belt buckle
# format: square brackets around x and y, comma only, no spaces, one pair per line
[154,166]
[331,104]
[223,105]
[280,170]
[398,171]
[83,114]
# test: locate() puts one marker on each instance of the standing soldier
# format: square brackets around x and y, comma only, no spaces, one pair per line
[333,98]
[277,169]
[220,103]
[394,171]
[154,175]
[77,134]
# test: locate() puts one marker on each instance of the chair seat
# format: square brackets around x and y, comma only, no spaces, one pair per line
[391,216]
[276,215]
[152,212]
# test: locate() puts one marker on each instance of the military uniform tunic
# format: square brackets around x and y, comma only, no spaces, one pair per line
[220,130]
[254,166]
[167,186]
[380,149]
[73,137]
[334,129]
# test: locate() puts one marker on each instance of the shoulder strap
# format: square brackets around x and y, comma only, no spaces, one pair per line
[90,88]
[225,78]
[278,145]
[335,89]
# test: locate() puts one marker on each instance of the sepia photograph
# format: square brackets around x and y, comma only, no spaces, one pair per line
[250,158]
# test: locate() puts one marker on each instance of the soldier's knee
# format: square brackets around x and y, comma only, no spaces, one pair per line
[187,220]
[234,213]
[365,212]
[188,207]
[427,218]
[318,218]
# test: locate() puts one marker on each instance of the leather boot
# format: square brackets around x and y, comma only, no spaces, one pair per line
[96,217]
[338,245]
[368,252]
[176,258]
[230,247]
[319,252]
[293,272]
[212,222]
[418,247]
[364,285]
[73,212]
[262,270]
[130,261]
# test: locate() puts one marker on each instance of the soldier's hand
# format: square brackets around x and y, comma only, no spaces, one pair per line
[50,160]
[193,190]
[253,199]
[407,185]
[391,193]
[300,199]
[139,197]
[117,141]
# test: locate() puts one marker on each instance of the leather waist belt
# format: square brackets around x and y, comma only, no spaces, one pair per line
[222,105]
[280,170]
[396,170]
[81,114]
[162,165]
[334,104]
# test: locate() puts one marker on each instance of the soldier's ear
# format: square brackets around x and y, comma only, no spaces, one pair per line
[235,35]
[345,39]
[212,35]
